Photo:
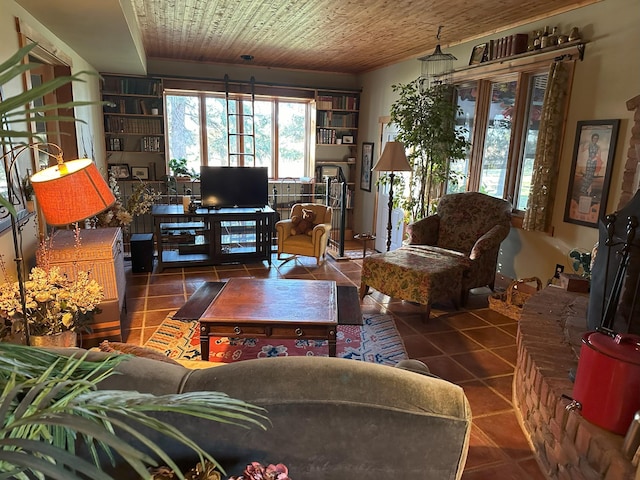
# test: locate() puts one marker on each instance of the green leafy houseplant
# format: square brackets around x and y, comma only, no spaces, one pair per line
[426,125]
[50,406]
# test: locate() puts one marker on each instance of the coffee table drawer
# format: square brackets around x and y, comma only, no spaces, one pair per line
[302,332]
[244,330]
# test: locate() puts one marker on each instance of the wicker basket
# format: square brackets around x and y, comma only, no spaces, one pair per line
[511,301]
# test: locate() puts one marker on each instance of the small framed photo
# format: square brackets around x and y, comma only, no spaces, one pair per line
[593,155]
[478,54]
[119,170]
[365,167]
[347,139]
[140,173]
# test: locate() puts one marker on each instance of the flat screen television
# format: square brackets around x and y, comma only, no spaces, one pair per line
[225,187]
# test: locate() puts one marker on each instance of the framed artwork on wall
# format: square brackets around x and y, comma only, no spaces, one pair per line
[365,167]
[590,176]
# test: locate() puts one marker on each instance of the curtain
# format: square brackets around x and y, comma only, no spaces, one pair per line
[545,165]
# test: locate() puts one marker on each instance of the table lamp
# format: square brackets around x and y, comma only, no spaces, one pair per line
[393,159]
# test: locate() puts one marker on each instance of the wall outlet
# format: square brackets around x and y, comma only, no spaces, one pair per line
[559,270]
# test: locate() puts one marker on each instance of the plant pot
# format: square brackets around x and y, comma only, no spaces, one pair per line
[62,339]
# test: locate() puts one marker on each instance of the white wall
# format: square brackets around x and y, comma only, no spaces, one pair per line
[603,82]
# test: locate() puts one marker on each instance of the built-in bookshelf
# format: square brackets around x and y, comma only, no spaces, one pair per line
[134,121]
[336,141]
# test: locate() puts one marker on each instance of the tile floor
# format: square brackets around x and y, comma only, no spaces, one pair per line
[474,347]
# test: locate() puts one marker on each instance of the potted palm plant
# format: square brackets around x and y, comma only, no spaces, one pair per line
[425,117]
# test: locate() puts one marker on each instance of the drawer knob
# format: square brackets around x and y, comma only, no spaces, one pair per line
[237,330]
[298,332]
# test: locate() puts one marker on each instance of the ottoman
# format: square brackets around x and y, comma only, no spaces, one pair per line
[418,273]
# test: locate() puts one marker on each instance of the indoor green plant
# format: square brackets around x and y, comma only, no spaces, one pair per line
[50,407]
[425,117]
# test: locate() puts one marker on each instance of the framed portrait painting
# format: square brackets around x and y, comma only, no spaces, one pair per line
[593,154]
[365,167]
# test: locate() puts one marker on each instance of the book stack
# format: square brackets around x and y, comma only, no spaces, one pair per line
[508,46]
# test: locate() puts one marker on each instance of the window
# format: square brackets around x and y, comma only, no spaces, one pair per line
[501,107]
[266,131]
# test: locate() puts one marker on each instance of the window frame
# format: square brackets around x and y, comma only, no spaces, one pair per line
[521,69]
[203,93]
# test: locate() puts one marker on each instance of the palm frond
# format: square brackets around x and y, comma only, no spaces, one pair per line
[51,402]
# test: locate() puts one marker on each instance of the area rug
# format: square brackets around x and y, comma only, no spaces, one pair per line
[377,341]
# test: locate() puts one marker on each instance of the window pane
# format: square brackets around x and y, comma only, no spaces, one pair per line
[466,100]
[497,137]
[264,134]
[537,88]
[291,135]
[183,128]
[217,152]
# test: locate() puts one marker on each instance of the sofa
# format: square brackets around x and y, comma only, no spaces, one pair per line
[329,417]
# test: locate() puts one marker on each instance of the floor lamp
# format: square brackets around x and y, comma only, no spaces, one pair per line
[66,193]
[393,159]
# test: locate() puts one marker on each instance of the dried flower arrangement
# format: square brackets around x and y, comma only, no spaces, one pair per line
[121,215]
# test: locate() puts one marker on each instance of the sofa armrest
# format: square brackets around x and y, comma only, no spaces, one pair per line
[489,241]
[319,230]
[283,228]
[425,231]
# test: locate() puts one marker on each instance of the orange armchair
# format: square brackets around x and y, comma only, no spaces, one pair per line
[314,245]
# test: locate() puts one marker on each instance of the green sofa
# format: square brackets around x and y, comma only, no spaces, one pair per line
[330,418]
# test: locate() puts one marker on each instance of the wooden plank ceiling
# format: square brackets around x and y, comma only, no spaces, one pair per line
[349,36]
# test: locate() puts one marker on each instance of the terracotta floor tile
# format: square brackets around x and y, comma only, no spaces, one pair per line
[483,451]
[167,302]
[490,337]
[506,471]
[484,401]
[483,363]
[503,385]
[532,468]
[494,317]
[134,291]
[166,289]
[464,320]
[447,368]
[168,277]
[418,346]
[504,429]
[155,317]
[453,342]
[508,353]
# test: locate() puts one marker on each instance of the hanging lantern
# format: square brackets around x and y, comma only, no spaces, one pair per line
[437,67]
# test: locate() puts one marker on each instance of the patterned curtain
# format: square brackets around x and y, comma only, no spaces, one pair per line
[545,165]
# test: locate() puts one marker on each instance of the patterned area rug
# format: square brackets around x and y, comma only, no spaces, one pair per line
[376,341]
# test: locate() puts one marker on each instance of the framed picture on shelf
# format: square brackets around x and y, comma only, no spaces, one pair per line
[478,54]
[141,173]
[365,167]
[590,176]
[119,170]
[347,139]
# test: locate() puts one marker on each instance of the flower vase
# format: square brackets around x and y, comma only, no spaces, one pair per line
[64,339]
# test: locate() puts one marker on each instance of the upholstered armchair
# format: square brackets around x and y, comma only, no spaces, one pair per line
[447,253]
[314,245]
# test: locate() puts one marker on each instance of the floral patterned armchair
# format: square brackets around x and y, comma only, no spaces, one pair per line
[447,254]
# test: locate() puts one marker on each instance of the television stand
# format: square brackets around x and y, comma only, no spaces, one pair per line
[211,237]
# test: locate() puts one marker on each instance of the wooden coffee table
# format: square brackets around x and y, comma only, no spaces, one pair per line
[282,308]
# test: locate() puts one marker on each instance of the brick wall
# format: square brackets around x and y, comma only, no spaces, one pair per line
[568,446]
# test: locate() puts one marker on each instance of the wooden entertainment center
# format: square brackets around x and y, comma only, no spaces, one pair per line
[211,236]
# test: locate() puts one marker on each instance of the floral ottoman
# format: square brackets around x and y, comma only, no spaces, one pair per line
[418,273]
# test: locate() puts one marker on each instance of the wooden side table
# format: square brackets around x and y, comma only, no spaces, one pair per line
[365,237]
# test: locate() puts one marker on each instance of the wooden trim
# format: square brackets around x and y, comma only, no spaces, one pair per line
[525,62]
